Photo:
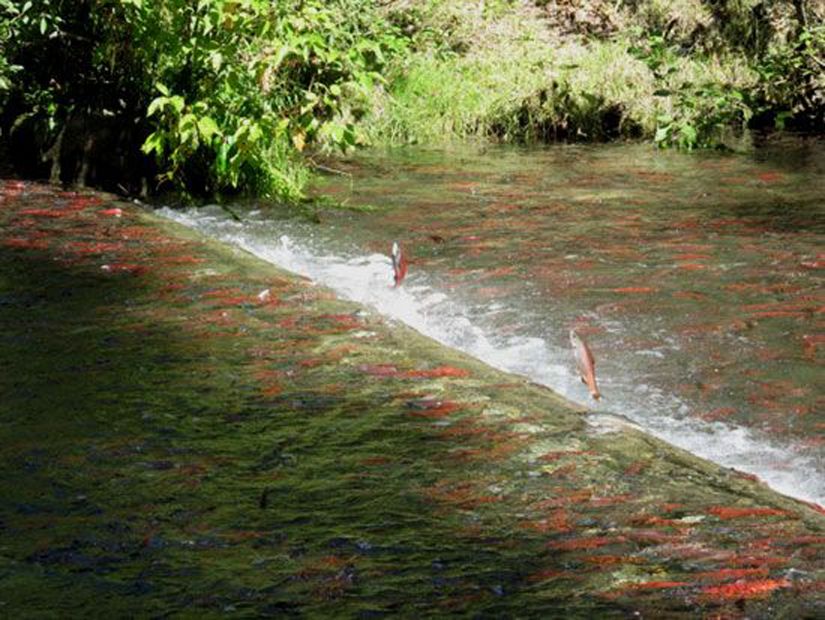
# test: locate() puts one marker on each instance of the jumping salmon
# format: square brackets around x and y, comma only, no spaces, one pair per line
[399,264]
[585,363]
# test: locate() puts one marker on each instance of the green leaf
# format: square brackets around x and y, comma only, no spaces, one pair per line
[216,60]
[177,102]
[781,119]
[688,133]
[221,161]
[188,122]
[153,144]
[350,138]
[10,6]
[157,104]
[255,133]
[207,127]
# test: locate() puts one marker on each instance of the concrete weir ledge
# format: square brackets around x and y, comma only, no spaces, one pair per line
[186,428]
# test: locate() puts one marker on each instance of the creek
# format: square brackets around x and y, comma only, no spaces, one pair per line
[696,279]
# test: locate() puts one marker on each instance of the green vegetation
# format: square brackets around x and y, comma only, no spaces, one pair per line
[223,94]
[216,97]
[681,73]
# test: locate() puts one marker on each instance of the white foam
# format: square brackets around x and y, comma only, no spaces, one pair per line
[367,279]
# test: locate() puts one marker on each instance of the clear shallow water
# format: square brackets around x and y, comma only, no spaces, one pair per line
[697,280]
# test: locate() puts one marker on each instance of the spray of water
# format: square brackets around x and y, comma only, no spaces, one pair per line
[367,279]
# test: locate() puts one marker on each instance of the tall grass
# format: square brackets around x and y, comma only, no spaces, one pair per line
[655,69]
[520,90]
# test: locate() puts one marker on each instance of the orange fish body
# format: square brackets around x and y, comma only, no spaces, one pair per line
[399,264]
[585,363]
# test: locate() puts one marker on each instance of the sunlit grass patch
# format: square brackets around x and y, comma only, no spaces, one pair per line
[518,80]
[520,90]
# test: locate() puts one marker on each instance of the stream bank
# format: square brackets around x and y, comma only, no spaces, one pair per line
[175,438]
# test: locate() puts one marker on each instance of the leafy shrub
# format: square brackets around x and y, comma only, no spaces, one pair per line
[791,86]
[223,94]
[701,116]
[691,114]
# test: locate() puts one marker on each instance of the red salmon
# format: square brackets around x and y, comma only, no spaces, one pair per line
[585,363]
[399,264]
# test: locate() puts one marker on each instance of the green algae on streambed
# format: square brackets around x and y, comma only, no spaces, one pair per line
[174,444]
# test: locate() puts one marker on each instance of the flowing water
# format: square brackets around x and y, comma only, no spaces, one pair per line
[696,278]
